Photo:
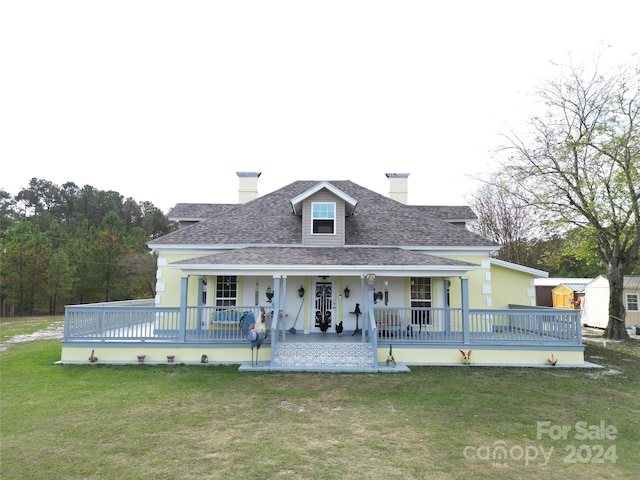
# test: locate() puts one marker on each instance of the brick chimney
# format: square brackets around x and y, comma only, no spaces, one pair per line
[398,186]
[248,186]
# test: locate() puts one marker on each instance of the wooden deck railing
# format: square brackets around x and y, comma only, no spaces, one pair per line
[103,323]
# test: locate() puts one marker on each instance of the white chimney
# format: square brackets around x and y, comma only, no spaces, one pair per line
[248,186]
[398,186]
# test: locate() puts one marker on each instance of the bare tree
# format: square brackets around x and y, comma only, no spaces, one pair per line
[579,165]
[505,219]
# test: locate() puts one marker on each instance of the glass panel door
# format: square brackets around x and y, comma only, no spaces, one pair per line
[324,305]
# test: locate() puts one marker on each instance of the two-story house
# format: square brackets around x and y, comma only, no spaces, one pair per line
[316,255]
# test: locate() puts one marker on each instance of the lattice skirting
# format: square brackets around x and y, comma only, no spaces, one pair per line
[324,355]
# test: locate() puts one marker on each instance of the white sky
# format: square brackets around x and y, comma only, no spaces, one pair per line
[164,101]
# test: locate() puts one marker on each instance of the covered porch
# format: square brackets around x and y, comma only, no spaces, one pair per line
[417,305]
[516,336]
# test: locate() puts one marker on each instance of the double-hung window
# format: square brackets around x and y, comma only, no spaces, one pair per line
[226,290]
[323,218]
[632,302]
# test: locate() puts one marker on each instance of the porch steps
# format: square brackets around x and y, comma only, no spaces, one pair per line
[324,357]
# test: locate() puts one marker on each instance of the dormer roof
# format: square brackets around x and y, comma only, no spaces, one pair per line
[350,202]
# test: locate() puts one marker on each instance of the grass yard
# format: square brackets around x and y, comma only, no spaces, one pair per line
[211,422]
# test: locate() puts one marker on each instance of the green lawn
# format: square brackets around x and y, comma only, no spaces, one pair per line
[200,422]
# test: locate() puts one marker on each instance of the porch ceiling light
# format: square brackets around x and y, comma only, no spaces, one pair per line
[301,291]
[346,292]
[269,295]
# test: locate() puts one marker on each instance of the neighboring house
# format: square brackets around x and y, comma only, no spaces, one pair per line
[596,304]
[316,253]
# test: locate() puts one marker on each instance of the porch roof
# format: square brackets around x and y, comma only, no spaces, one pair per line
[312,260]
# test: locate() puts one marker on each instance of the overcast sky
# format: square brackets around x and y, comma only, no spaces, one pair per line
[164,101]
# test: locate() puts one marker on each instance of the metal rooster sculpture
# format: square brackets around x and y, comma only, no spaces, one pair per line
[254,330]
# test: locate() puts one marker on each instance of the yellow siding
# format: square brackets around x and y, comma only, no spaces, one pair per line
[170,278]
[227,356]
[494,286]
[511,287]
[481,357]
[187,355]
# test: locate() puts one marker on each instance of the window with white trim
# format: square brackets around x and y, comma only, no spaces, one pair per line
[226,291]
[323,218]
[632,302]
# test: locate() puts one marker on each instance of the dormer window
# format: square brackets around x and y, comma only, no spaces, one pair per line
[323,219]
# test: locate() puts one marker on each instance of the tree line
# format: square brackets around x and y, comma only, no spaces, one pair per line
[63,245]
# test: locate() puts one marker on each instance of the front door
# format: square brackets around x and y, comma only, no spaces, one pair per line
[324,305]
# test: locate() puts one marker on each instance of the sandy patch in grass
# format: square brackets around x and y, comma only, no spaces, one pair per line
[51,332]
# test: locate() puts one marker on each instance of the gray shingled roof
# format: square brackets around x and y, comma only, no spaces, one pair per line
[377,220]
[448,212]
[318,256]
[188,211]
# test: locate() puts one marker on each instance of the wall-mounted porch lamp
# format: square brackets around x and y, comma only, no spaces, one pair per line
[269,295]
[346,292]
[301,291]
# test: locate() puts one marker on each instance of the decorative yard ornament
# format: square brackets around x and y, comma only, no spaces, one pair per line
[204,359]
[553,360]
[466,357]
[390,359]
[93,358]
[254,330]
